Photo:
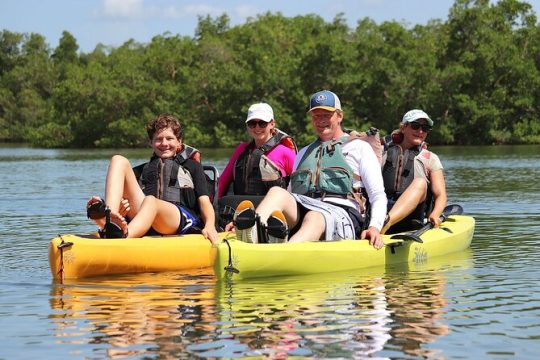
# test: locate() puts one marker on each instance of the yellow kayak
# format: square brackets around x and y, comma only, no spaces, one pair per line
[79,256]
[239,260]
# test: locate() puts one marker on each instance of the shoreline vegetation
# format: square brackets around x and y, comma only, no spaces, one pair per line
[477,74]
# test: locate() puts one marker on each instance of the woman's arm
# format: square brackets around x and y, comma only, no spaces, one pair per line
[438,188]
[226,177]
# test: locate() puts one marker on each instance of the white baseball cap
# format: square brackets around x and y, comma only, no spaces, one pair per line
[260,111]
[414,115]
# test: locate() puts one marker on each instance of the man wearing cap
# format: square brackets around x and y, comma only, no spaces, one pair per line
[319,205]
[413,176]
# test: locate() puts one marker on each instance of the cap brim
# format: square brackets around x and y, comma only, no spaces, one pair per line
[429,121]
[258,118]
[327,108]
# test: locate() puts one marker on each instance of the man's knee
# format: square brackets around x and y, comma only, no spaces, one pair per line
[278,196]
[277,191]
[314,219]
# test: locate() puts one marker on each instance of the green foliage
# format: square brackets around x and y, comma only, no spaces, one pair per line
[123,133]
[477,74]
[66,52]
[51,135]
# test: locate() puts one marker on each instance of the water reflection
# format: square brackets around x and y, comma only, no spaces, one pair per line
[130,316]
[339,315]
[332,315]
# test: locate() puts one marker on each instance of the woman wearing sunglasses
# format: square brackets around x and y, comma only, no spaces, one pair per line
[265,161]
[413,176]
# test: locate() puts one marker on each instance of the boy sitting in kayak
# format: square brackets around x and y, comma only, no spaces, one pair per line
[326,173]
[168,194]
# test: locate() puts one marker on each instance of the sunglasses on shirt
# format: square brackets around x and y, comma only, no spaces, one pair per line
[416,125]
[252,123]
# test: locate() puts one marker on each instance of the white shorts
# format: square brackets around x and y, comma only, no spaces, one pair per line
[339,225]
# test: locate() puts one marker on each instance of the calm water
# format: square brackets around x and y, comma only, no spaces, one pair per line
[483,303]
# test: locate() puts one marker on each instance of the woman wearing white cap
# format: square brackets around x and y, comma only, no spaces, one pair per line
[413,176]
[265,161]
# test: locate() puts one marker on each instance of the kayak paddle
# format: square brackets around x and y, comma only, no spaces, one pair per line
[415,235]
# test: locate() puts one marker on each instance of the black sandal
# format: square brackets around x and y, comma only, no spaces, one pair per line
[245,219]
[111,230]
[277,229]
[96,210]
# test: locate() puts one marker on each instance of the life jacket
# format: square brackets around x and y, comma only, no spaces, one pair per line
[323,170]
[189,152]
[398,169]
[372,137]
[398,174]
[254,173]
[169,180]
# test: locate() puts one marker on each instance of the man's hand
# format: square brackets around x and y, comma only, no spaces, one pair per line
[374,237]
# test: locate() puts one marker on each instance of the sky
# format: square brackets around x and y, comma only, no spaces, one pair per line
[113,22]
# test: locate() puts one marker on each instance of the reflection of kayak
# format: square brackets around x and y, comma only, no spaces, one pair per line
[261,260]
[145,312]
[291,312]
[77,256]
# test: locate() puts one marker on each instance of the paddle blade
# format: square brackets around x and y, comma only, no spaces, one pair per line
[407,237]
[453,209]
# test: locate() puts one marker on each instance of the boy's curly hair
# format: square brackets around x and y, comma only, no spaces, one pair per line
[164,121]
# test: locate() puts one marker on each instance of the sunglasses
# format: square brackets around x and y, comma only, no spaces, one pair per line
[252,123]
[416,125]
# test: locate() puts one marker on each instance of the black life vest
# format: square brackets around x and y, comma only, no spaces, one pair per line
[254,173]
[189,152]
[168,180]
[398,169]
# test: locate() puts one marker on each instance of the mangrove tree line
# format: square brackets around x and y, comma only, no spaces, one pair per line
[477,74]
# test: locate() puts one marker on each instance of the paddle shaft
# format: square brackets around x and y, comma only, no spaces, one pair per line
[448,210]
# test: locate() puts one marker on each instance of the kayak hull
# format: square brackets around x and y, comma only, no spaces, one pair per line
[79,256]
[265,260]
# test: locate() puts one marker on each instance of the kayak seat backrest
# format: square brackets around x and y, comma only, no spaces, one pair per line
[212,178]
